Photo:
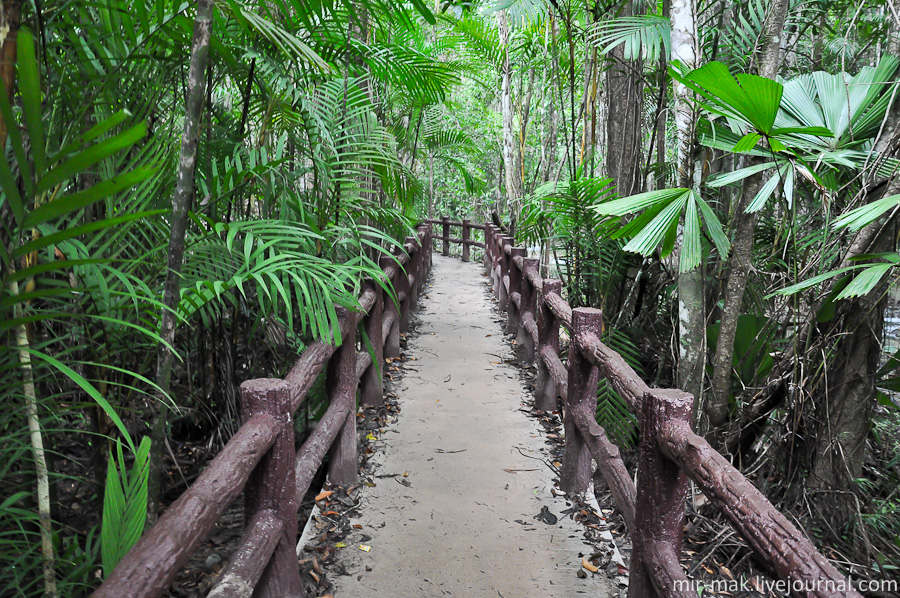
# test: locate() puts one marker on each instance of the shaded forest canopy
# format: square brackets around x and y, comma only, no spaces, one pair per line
[190,189]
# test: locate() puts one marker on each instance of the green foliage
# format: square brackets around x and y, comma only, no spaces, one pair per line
[124,504]
[657,226]
[642,36]
[613,413]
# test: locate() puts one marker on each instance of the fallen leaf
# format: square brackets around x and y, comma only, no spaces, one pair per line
[314,576]
[590,567]
[405,474]
[328,513]
[340,545]
[356,526]
[323,495]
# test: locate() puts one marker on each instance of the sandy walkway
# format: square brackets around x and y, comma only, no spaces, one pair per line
[465,526]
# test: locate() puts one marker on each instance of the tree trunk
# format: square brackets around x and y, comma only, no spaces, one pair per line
[625,102]
[184,189]
[506,110]
[691,309]
[744,227]
[10,16]
[842,413]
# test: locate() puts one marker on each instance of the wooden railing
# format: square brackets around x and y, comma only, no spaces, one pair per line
[465,238]
[670,453]
[260,457]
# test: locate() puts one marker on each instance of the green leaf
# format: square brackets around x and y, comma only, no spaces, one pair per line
[738,175]
[754,98]
[633,203]
[713,227]
[859,217]
[89,389]
[818,131]
[865,281]
[30,88]
[76,201]
[89,156]
[124,505]
[646,241]
[747,142]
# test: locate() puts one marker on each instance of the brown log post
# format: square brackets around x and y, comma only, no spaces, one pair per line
[412,270]
[430,246]
[777,542]
[272,485]
[424,263]
[391,311]
[575,474]
[497,266]
[504,272]
[446,238]
[341,384]
[371,391]
[548,339]
[465,240]
[401,287]
[524,340]
[662,494]
[516,284]
[486,255]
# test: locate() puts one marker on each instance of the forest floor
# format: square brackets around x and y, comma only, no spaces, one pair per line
[459,497]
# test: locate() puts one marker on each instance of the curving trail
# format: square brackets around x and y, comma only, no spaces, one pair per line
[465,526]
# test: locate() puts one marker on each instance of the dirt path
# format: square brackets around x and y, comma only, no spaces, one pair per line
[462,520]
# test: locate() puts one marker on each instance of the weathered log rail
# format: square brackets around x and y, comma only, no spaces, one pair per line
[260,457]
[670,454]
[465,238]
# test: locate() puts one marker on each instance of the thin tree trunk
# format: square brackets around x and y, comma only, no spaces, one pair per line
[744,227]
[184,189]
[40,460]
[625,101]
[691,310]
[10,16]
[506,110]
[549,158]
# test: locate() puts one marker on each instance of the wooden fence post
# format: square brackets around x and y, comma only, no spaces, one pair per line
[497,267]
[446,237]
[486,255]
[515,290]
[575,473]
[524,341]
[401,286]
[391,312]
[424,259]
[465,240]
[412,269]
[662,493]
[272,486]
[371,391]
[504,271]
[548,340]
[341,383]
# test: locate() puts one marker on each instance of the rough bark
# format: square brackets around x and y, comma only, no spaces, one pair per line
[625,101]
[506,109]
[744,226]
[548,157]
[10,17]
[184,189]
[691,311]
